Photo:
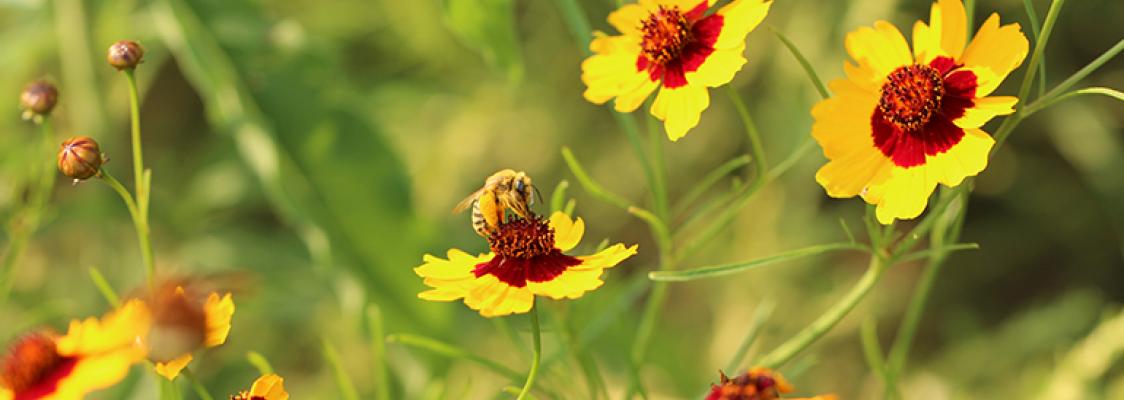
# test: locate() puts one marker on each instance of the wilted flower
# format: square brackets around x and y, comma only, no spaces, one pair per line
[38,99]
[268,387]
[527,260]
[185,320]
[80,158]
[903,121]
[675,45]
[757,384]
[125,54]
[93,355]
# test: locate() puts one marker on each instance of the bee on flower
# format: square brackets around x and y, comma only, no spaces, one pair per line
[756,384]
[903,121]
[268,387]
[93,355]
[186,318]
[673,45]
[502,191]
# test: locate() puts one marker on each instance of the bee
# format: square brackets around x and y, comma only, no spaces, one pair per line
[502,191]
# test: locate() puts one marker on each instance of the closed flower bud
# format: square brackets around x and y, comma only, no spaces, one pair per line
[80,158]
[125,54]
[38,99]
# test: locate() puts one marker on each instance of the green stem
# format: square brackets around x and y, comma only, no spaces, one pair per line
[141,181]
[200,390]
[756,148]
[139,224]
[789,349]
[1040,47]
[32,215]
[536,357]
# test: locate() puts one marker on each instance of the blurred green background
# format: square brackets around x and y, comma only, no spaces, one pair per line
[319,146]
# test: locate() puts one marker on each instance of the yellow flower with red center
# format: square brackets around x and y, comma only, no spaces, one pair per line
[94,354]
[185,321]
[675,46]
[268,387]
[527,260]
[904,121]
[757,384]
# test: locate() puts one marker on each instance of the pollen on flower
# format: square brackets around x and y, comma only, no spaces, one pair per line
[911,95]
[30,362]
[666,33]
[525,251]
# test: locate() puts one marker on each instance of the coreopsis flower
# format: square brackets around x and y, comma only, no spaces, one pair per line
[94,354]
[528,259]
[185,320]
[673,45]
[904,121]
[757,384]
[268,387]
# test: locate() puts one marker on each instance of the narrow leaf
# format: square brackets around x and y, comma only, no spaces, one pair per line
[727,269]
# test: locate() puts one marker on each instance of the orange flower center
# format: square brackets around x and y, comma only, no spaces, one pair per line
[30,361]
[911,95]
[522,238]
[666,33]
[750,386]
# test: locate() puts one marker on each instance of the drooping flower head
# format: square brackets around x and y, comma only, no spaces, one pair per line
[185,319]
[673,45]
[528,259]
[757,384]
[904,121]
[94,354]
[268,387]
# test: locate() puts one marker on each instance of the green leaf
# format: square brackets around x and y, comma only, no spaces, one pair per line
[488,27]
[727,269]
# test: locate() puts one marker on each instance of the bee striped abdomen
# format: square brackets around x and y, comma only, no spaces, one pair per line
[478,222]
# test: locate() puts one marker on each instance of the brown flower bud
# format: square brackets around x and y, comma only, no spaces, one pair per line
[38,99]
[125,54]
[80,158]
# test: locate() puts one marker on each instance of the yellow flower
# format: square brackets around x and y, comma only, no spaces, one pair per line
[758,383]
[674,45]
[904,121]
[268,387]
[94,354]
[527,260]
[185,321]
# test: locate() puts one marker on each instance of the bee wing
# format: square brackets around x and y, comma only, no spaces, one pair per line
[467,202]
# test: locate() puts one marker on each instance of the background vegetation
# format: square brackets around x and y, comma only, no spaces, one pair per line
[309,152]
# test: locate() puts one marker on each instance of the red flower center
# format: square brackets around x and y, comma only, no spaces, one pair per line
[676,42]
[750,386]
[916,113]
[666,32]
[33,366]
[246,396]
[525,252]
[911,95]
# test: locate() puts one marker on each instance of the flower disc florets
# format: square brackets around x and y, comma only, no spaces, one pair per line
[911,95]
[522,238]
[666,32]
[30,361]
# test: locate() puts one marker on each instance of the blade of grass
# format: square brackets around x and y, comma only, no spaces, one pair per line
[760,315]
[105,288]
[558,197]
[450,351]
[378,351]
[259,362]
[343,380]
[733,268]
[807,66]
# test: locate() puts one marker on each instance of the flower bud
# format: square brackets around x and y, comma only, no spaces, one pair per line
[80,158]
[125,54]
[38,99]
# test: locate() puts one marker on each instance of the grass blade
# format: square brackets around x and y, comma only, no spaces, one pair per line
[450,351]
[104,287]
[760,315]
[343,381]
[259,362]
[807,66]
[733,268]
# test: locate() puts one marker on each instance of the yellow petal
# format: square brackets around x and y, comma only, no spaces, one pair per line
[881,49]
[5,394]
[91,373]
[571,284]
[116,330]
[452,278]
[493,298]
[172,369]
[842,129]
[271,387]
[567,233]
[739,18]
[719,67]
[903,195]
[966,158]
[219,311]
[680,108]
[612,72]
[950,24]
[629,18]
[998,48]
[607,258]
[985,109]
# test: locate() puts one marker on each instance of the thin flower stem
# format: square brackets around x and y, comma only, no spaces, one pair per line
[378,351]
[659,169]
[200,390]
[1034,29]
[536,357]
[708,181]
[32,215]
[756,148]
[135,133]
[259,362]
[139,224]
[105,288]
[1072,80]
[789,349]
[1040,47]
[343,380]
